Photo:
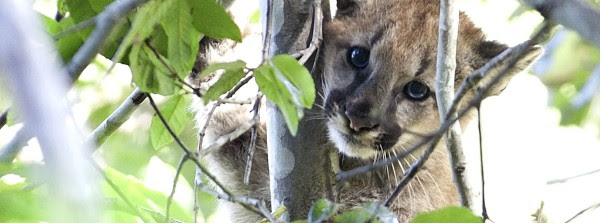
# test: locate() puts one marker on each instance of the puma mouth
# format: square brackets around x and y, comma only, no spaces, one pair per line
[364,144]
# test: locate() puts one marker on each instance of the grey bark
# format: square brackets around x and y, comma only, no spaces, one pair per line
[445,70]
[117,118]
[573,14]
[296,164]
[105,24]
[39,87]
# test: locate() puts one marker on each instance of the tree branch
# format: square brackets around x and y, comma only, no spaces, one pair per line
[592,207]
[252,146]
[170,199]
[575,14]
[12,148]
[77,27]
[248,203]
[541,35]
[445,70]
[564,180]
[224,139]
[106,21]
[501,62]
[484,213]
[117,118]
[39,87]
[105,24]
[4,118]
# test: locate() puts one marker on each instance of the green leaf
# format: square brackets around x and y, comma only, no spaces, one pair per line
[235,65]
[229,79]
[174,110]
[182,38]
[321,211]
[448,215]
[68,44]
[13,117]
[381,212]
[17,206]
[255,17]
[149,72]
[211,19]
[61,5]
[298,75]
[143,198]
[81,10]
[144,22]
[370,212]
[353,216]
[277,214]
[275,91]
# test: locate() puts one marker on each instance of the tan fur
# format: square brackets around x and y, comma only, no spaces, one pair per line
[407,44]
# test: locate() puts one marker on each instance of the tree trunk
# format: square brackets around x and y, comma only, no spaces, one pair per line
[298,166]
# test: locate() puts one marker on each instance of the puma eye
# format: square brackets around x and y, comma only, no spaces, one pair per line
[416,91]
[358,57]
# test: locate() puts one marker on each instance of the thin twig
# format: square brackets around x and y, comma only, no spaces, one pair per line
[169,67]
[594,206]
[170,199]
[196,202]
[317,32]
[39,85]
[542,34]
[77,27]
[202,133]
[577,15]
[117,118]
[106,22]
[252,146]
[260,204]
[267,34]
[444,92]
[484,212]
[12,148]
[224,139]
[4,118]
[317,35]
[234,101]
[231,92]
[518,52]
[116,188]
[255,207]
[539,214]
[564,180]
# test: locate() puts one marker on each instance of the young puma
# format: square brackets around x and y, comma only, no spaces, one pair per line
[378,68]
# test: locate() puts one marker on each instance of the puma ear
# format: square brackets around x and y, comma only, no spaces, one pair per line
[493,49]
[346,7]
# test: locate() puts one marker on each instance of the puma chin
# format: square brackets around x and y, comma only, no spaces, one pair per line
[377,69]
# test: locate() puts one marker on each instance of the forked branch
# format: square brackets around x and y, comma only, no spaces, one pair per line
[251,204]
[542,35]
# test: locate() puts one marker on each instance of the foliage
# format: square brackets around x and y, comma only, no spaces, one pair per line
[159,43]
[572,72]
[448,215]
[175,112]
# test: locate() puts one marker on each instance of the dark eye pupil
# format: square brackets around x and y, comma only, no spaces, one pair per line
[358,57]
[416,90]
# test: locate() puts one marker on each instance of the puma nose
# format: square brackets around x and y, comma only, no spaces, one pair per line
[361,116]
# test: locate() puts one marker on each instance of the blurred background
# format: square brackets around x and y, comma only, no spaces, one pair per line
[543,128]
